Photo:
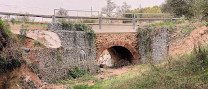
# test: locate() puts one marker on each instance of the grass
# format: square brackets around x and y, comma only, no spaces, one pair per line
[5,27]
[76,76]
[186,29]
[189,71]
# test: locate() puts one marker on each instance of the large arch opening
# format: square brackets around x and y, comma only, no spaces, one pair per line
[115,57]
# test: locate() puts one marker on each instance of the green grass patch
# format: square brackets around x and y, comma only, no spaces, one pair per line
[206,24]
[5,29]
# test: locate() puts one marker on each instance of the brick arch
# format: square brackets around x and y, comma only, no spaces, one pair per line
[126,45]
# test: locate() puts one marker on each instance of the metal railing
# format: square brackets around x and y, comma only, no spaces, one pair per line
[125,18]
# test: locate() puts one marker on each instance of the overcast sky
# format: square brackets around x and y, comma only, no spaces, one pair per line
[47,6]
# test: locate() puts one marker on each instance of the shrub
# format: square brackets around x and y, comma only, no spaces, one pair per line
[36,43]
[13,21]
[76,72]
[206,24]
[8,64]
[5,29]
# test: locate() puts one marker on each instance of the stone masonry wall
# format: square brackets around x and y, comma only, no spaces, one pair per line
[159,45]
[75,52]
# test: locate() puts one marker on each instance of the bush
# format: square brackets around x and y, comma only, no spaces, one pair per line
[8,64]
[5,29]
[206,24]
[36,43]
[76,73]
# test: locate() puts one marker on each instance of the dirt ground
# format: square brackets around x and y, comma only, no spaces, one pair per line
[106,73]
[197,37]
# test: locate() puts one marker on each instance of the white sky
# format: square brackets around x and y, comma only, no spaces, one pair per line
[47,6]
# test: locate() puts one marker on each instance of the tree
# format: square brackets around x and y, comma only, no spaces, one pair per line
[110,7]
[123,9]
[154,9]
[179,7]
[62,12]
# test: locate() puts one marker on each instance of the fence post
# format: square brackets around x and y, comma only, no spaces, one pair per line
[54,16]
[134,21]
[100,21]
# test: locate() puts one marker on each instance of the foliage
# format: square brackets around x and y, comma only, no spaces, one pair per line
[8,64]
[178,7]
[187,29]
[183,29]
[62,12]
[154,9]
[5,35]
[86,87]
[111,6]
[76,72]
[145,36]
[13,21]
[189,8]
[206,24]
[5,29]
[23,33]
[36,43]
[73,76]
[68,26]
[123,9]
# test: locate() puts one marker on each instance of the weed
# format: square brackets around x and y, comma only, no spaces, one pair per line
[36,43]
[5,29]
[7,64]
[85,87]
[76,72]
[206,24]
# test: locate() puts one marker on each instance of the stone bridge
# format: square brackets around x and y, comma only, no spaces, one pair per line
[115,46]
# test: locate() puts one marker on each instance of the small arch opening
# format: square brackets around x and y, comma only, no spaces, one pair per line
[115,57]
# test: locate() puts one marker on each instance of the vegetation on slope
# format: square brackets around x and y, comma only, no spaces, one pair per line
[186,72]
[189,71]
[9,56]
